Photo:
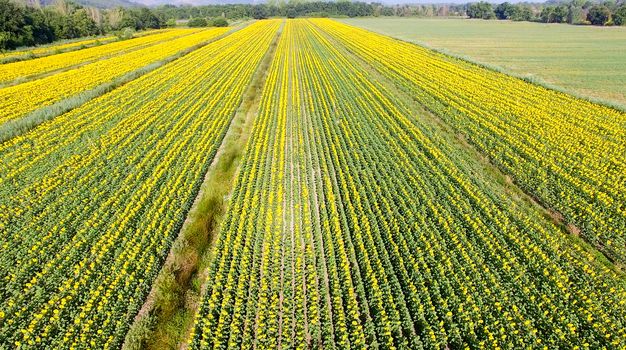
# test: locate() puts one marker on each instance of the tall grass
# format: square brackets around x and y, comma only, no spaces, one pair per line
[167,316]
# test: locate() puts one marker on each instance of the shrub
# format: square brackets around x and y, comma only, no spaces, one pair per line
[481,9]
[198,22]
[598,15]
[125,33]
[220,22]
[619,17]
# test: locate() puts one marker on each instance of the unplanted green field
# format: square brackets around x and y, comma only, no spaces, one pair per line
[584,59]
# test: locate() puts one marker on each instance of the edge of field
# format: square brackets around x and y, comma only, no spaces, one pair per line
[16,127]
[166,317]
[26,54]
[496,68]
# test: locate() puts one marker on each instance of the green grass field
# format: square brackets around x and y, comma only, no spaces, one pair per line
[588,60]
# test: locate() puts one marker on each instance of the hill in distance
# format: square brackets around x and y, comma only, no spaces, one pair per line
[195,2]
[102,4]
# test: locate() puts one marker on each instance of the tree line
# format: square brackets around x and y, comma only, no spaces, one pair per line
[573,12]
[609,12]
[22,25]
[270,9]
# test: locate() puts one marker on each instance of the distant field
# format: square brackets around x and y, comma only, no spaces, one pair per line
[588,60]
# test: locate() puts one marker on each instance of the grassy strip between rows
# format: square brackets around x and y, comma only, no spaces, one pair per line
[20,126]
[166,317]
[29,55]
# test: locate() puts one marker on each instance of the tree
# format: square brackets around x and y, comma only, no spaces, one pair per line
[11,25]
[619,16]
[259,12]
[63,26]
[291,13]
[559,14]
[505,10]
[113,18]
[198,22]
[598,15]
[129,20]
[551,14]
[481,9]
[36,24]
[220,22]
[522,13]
[149,19]
[575,14]
[85,26]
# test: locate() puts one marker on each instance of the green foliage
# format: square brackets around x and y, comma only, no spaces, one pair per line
[552,14]
[198,22]
[170,23]
[275,9]
[322,14]
[27,26]
[138,19]
[575,14]
[22,25]
[138,335]
[483,10]
[514,12]
[259,12]
[505,10]
[599,15]
[619,17]
[125,33]
[220,22]
[84,24]
[522,13]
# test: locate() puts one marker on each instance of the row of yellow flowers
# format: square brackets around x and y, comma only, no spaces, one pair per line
[23,69]
[19,100]
[103,190]
[354,223]
[56,48]
[568,152]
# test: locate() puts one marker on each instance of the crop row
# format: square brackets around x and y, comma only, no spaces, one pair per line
[567,152]
[19,100]
[72,45]
[23,69]
[354,224]
[56,48]
[91,201]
